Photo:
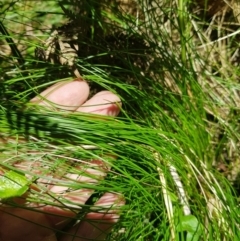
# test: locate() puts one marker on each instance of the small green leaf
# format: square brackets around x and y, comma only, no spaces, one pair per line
[13,184]
[191,225]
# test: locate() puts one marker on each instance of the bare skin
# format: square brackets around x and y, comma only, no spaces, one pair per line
[14,222]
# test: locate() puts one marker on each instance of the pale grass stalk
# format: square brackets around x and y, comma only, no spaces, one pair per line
[220,39]
[181,192]
[167,199]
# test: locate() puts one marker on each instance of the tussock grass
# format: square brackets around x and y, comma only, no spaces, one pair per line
[175,66]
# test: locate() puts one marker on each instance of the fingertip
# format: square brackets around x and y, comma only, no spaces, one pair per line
[103,103]
[98,224]
[64,95]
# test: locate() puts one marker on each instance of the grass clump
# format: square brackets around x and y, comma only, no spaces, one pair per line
[174,65]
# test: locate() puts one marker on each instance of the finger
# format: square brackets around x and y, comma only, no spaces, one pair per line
[76,187]
[103,103]
[67,189]
[97,225]
[64,95]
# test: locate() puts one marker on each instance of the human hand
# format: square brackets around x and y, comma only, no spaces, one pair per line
[43,222]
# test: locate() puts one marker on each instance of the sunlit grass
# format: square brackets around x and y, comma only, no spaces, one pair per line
[179,120]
